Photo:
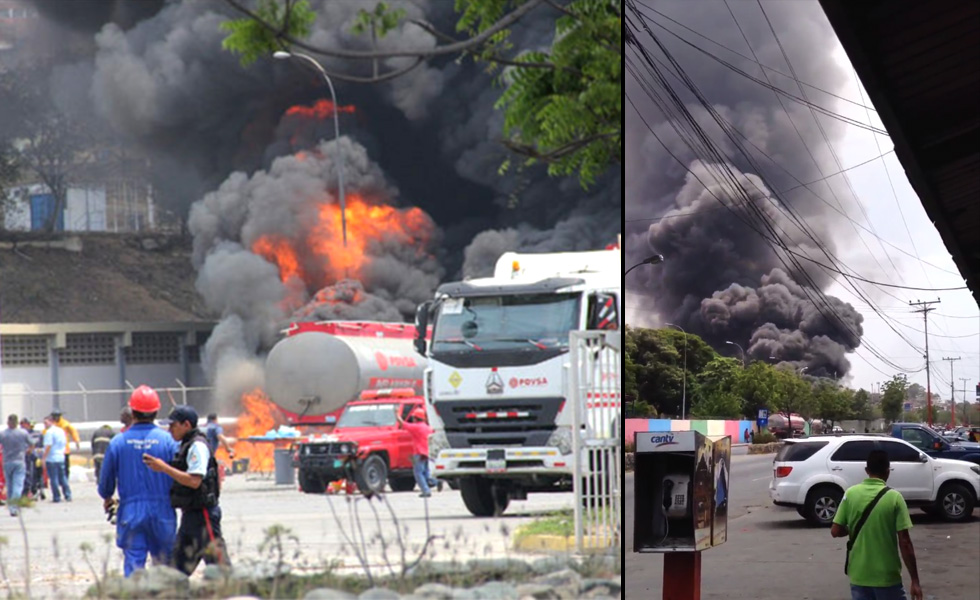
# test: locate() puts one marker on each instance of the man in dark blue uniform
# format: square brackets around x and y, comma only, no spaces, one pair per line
[145,521]
[195,492]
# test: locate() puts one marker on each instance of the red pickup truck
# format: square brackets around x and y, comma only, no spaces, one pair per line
[367,446]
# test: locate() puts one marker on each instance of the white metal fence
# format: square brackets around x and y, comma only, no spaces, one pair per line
[92,404]
[597,441]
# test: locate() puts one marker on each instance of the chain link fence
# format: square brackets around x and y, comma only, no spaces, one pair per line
[86,405]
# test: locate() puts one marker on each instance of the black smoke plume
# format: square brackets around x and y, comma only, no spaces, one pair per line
[721,279]
[217,141]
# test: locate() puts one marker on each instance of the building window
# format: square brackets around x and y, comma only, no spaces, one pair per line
[195,352]
[88,349]
[25,350]
[154,348]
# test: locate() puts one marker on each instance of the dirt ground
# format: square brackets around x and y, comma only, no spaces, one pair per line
[113,277]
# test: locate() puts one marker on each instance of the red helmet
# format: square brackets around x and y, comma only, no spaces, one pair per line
[417,413]
[144,399]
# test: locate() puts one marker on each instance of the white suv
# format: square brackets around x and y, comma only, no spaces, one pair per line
[811,475]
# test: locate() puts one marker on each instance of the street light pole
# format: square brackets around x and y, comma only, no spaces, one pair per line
[656,259]
[740,349]
[684,379]
[282,55]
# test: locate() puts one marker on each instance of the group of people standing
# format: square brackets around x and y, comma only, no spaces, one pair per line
[153,471]
[30,458]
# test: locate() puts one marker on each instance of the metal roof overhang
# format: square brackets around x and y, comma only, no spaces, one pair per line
[920,64]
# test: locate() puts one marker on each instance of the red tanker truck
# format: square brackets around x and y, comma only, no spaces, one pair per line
[359,372]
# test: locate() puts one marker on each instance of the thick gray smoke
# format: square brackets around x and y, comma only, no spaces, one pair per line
[266,255]
[214,130]
[720,278]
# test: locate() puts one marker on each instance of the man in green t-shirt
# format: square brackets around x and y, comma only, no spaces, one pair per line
[873,568]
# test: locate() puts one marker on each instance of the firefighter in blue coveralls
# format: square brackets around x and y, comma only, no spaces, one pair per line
[145,521]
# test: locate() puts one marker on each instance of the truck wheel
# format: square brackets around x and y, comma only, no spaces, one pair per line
[822,504]
[311,483]
[372,474]
[402,484]
[482,498]
[955,502]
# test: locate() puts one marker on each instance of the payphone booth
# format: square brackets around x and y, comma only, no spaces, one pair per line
[681,491]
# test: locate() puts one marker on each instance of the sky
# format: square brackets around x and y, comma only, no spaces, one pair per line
[717,277]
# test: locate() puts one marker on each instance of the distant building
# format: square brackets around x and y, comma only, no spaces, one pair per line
[120,206]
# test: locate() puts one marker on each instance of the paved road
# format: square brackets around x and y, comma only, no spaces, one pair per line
[250,506]
[773,554]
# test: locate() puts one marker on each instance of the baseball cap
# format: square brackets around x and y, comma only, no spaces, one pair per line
[181,414]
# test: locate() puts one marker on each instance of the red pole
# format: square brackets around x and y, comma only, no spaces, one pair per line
[682,576]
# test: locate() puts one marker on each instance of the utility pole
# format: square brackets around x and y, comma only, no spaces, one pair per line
[966,410]
[925,317]
[952,389]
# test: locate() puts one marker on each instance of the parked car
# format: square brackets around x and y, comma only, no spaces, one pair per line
[811,476]
[929,441]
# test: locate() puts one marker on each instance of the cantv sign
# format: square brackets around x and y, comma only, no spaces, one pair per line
[665,441]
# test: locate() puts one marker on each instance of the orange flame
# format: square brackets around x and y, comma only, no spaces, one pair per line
[321,109]
[280,252]
[259,417]
[366,224]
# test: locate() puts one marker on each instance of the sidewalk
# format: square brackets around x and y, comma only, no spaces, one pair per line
[772,554]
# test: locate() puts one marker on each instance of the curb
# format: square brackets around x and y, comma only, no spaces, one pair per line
[555,543]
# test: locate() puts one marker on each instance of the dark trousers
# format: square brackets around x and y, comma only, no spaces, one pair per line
[195,542]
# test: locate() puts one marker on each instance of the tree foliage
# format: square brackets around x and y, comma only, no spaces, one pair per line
[833,403]
[252,40]
[894,397]
[718,390]
[569,116]
[861,405]
[562,105]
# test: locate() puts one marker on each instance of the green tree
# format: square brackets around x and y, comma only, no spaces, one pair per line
[794,394]
[569,116]
[258,36]
[716,390]
[833,403]
[861,405]
[894,397]
[562,105]
[657,355]
[378,23]
[758,386]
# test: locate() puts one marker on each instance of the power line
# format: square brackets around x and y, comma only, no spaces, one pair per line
[735,52]
[707,146]
[769,85]
[795,187]
[806,186]
[826,140]
[736,188]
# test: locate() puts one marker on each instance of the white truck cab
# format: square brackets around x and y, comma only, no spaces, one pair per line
[497,380]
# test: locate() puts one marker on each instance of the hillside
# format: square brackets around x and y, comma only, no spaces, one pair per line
[98,277]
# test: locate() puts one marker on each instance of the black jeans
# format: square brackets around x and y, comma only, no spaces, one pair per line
[194,542]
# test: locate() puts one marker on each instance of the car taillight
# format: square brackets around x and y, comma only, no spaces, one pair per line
[783,471]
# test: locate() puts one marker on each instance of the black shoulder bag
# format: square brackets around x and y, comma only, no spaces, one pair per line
[860,524]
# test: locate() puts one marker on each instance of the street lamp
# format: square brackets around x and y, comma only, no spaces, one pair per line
[656,259]
[740,348]
[283,55]
[684,380]
[800,371]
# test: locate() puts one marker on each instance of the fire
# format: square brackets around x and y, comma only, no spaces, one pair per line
[366,224]
[321,109]
[259,416]
[278,251]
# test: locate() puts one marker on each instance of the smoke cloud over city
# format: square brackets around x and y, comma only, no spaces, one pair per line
[721,278]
